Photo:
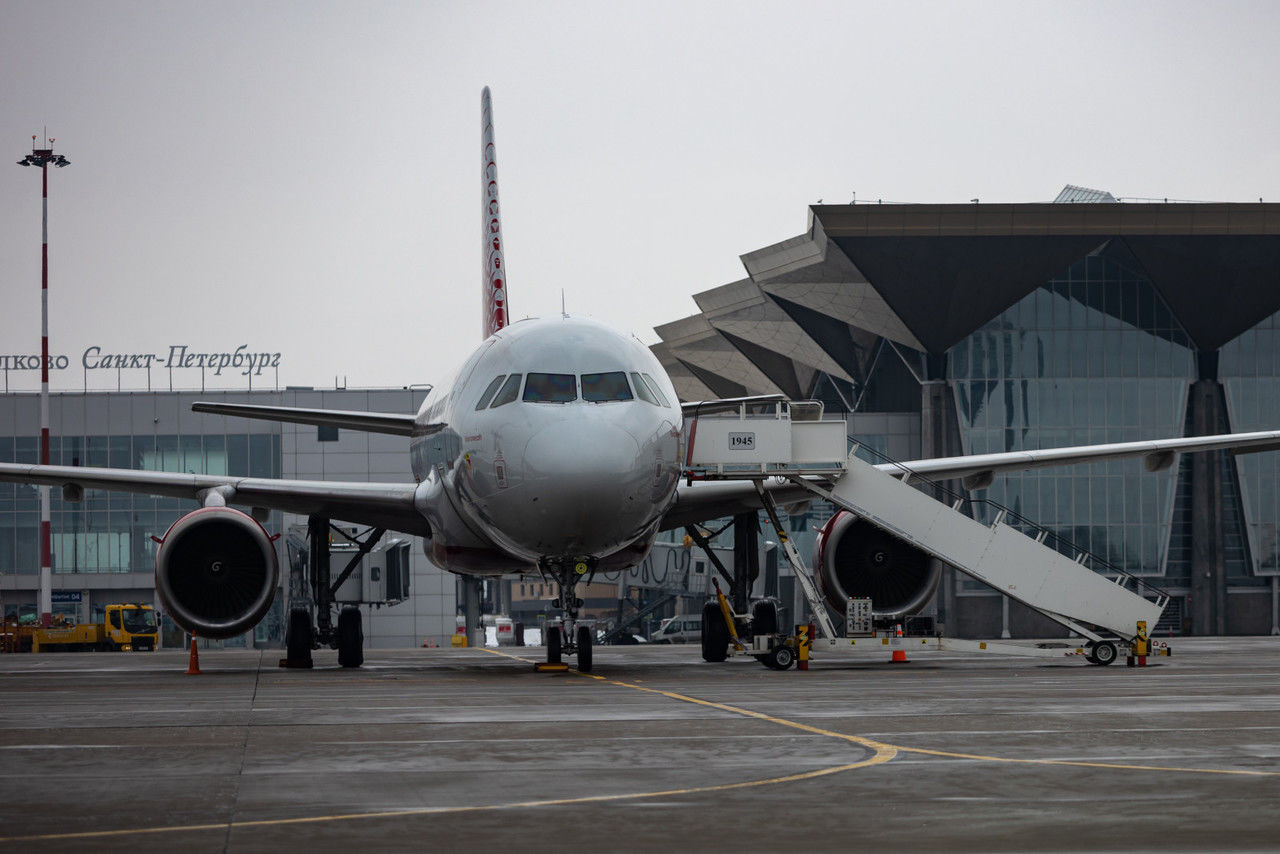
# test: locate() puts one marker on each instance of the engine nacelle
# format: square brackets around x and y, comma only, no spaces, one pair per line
[855,559]
[216,572]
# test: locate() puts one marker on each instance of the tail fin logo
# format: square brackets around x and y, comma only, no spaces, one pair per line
[495,291]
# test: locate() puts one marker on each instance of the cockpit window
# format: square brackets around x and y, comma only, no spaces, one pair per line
[489,390]
[642,390]
[598,388]
[551,388]
[509,392]
[656,389]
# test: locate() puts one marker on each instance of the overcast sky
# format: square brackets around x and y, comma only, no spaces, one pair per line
[304,177]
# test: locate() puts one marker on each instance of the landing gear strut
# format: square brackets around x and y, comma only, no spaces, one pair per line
[303,635]
[569,638]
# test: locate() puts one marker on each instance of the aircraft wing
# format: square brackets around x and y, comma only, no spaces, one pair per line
[367,422]
[716,499]
[703,500]
[1157,454]
[385,505]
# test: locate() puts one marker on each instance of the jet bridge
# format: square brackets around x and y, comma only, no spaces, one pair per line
[813,454]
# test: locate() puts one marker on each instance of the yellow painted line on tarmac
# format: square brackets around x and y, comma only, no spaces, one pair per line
[1081,764]
[318,819]
[898,748]
[881,753]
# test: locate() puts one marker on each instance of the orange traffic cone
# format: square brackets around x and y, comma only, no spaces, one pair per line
[899,654]
[193,664]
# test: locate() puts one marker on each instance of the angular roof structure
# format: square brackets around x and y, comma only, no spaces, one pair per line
[927,276]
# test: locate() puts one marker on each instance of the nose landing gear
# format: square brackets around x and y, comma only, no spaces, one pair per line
[567,637]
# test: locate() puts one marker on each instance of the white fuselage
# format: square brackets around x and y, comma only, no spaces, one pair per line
[577,459]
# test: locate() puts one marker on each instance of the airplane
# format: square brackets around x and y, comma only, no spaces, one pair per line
[556,449]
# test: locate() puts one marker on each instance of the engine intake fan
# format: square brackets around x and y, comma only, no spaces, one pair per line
[216,572]
[855,559]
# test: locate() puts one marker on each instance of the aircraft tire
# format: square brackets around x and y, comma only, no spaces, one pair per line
[350,637]
[300,636]
[584,649]
[715,634]
[553,645]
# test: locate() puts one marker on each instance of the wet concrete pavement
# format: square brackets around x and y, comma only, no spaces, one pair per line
[471,750]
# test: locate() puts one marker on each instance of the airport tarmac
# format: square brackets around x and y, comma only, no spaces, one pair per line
[471,750]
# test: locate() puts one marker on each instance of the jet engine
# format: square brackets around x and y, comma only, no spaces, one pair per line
[855,559]
[216,572]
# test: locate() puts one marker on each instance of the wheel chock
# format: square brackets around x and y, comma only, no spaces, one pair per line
[548,667]
[304,663]
[1141,645]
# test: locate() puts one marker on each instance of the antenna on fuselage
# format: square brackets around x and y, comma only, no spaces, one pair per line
[563,312]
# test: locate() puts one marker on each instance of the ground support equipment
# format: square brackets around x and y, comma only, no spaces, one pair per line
[812,455]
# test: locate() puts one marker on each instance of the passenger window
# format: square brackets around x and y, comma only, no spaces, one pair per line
[598,388]
[657,392]
[642,390]
[488,392]
[510,390]
[551,388]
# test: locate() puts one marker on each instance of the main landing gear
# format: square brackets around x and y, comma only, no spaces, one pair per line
[302,634]
[566,637]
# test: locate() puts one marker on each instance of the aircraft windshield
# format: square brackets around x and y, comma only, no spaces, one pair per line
[598,388]
[138,620]
[510,390]
[657,392]
[488,392]
[642,390]
[551,388]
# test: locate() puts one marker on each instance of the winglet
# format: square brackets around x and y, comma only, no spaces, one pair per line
[494,297]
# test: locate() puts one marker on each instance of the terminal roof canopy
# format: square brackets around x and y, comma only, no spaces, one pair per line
[948,269]
[927,276]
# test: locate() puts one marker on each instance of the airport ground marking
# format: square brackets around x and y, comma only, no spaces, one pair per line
[894,749]
[883,752]
[431,811]
[1079,763]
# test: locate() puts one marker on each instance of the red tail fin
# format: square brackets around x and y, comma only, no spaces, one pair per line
[494,301]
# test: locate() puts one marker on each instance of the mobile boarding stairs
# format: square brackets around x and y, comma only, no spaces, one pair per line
[791,442]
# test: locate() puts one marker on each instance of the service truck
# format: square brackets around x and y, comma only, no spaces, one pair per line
[123,627]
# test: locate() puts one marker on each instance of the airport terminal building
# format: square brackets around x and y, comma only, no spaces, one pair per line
[935,330]
[958,329]
[103,551]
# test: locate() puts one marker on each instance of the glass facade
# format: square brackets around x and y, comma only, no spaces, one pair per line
[1249,368]
[1092,356]
[102,546]
[110,532]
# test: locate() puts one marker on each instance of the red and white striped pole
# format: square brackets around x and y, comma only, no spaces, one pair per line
[42,157]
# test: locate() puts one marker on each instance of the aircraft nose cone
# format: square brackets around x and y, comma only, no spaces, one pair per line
[586,488]
[572,451]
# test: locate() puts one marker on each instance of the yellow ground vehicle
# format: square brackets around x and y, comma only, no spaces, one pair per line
[124,627]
